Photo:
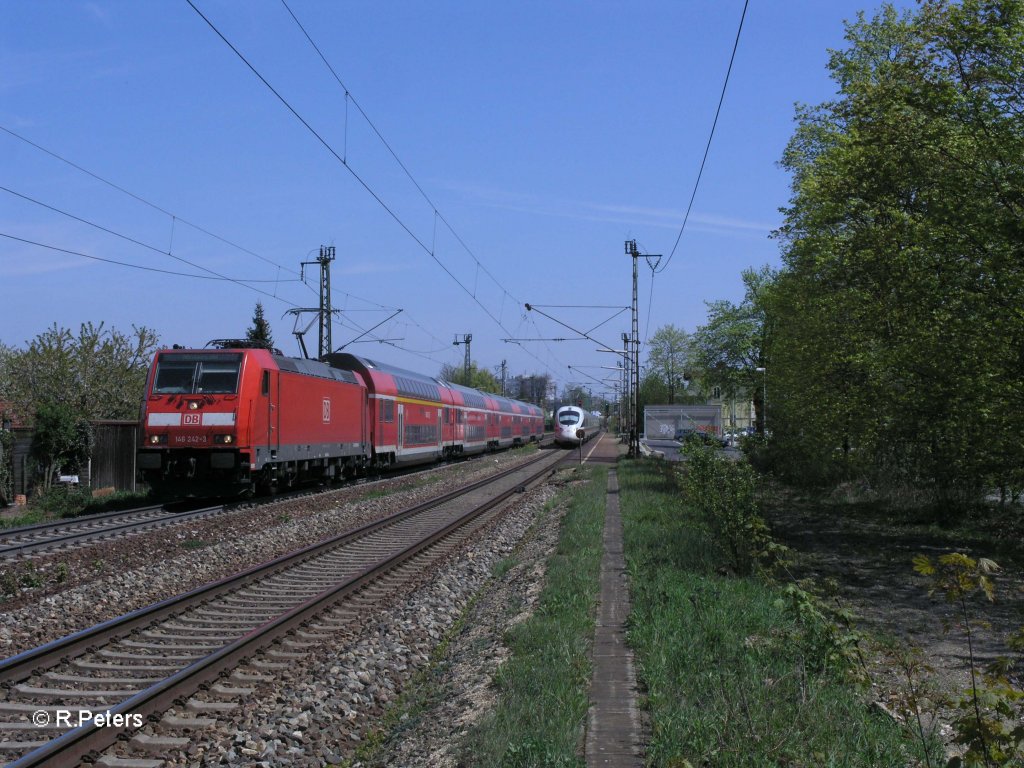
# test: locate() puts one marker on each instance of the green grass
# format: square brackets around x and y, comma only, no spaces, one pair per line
[29,517]
[59,502]
[731,677]
[543,688]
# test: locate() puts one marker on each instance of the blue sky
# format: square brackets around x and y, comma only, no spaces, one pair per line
[540,136]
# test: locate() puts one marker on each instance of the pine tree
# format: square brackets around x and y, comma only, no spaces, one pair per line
[260,330]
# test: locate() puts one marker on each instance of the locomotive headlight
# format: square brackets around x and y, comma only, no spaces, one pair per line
[223,439]
[193,405]
[157,439]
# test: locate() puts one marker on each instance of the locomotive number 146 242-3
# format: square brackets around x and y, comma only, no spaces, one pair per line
[190,440]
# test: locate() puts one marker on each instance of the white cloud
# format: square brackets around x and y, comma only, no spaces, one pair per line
[585,210]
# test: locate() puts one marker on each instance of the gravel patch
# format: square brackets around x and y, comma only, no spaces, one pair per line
[461,690]
[320,709]
[106,580]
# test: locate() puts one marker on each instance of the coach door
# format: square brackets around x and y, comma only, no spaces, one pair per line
[270,390]
[400,438]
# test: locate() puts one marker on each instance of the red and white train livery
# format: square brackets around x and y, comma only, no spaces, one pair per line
[239,418]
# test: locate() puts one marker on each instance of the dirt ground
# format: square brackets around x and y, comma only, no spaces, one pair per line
[869,556]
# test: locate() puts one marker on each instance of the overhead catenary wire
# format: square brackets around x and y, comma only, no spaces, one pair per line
[133,266]
[657,269]
[212,275]
[398,220]
[173,216]
[711,135]
[366,186]
[436,212]
[132,240]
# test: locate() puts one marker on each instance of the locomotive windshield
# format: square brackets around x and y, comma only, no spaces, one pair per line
[568,418]
[183,374]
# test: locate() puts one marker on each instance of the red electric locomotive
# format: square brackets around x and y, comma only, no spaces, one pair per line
[237,417]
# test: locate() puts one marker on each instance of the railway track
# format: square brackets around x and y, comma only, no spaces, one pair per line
[43,538]
[134,668]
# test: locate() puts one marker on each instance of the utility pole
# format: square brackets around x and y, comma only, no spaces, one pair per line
[504,373]
[634,424]
[634,434]
[326,257]
[625,411]
[467,338]
[324,311]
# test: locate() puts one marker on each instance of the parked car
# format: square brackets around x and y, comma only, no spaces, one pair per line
[687,434]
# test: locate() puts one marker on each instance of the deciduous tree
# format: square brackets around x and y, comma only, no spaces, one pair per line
[670,364]
[898,331]
[98,373]
[730,348]
[479,378]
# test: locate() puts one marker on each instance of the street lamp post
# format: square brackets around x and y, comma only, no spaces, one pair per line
[764,400]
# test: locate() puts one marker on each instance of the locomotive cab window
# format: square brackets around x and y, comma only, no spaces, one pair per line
[174,377]
[193,374]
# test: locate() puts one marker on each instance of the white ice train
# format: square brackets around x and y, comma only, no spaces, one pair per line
[573,425]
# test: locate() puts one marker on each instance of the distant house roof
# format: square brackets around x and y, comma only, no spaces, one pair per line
[7,413]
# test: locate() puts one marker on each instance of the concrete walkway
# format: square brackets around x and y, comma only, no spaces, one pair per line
[614,734]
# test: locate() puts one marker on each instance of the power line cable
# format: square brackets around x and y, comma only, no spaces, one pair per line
[123,263]
[434,209]
[437,213]
[337,157]
[244,282]
[142,200]
[707,148]
[193,225]
[192,275]
[134,241]
[359,178]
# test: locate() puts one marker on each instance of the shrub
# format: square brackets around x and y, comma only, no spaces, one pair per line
[725,492]
[61,501]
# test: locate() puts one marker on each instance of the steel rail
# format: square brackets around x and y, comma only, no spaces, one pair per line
[87,740]
[89,530]
[72,537]
[11,532]
[17,668]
